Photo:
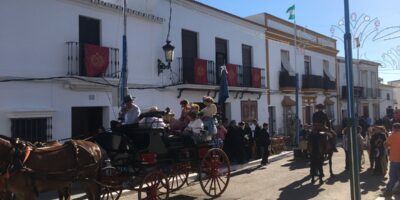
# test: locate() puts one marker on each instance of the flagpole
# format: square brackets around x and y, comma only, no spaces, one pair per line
[297,81]
[124,71]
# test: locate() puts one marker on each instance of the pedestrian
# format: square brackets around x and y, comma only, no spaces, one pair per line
[379,151]
[393,144]
[263,141]
[249,141]
[221,132]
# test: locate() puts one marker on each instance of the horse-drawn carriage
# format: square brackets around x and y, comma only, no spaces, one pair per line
[152,162]
[155,162]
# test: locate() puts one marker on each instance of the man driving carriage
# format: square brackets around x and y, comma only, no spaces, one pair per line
[320,121]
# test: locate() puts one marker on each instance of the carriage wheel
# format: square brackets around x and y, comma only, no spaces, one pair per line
[178,176]
[110,193]
[110,186]
[214,172]
[154,187]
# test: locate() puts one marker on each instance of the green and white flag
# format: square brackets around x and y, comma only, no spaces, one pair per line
[291,12]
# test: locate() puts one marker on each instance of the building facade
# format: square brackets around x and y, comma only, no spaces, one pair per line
[313,61]
[50,89]
[387,99]
[366,90]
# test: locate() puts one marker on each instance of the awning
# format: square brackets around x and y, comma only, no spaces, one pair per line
[286,64]
[288,68]
[328,74]
[328,101]
[288,102]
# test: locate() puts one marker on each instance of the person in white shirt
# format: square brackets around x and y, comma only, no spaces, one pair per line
[195,125]
[129,111]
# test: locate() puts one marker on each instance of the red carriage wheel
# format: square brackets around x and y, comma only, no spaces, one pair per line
[178,176]
[154,187]
[110,184]
[214,172]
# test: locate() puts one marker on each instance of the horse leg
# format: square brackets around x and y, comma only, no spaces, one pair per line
[330,164]
[92,190]
[321,171]
[64,194]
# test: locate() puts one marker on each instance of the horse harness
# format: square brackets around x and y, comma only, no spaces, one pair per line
[21,152]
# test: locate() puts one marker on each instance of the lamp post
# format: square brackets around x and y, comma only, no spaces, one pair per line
[354,151]
[124,71]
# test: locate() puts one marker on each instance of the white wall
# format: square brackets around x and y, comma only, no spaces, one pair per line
[33,45]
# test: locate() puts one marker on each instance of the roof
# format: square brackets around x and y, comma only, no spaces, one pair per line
[224,12]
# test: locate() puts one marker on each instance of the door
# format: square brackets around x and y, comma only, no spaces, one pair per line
[89,33]
[247,64]
[189,53]
[249,111]
[272,119]
[86,121]
[307,115]
[365,110]
[221,55]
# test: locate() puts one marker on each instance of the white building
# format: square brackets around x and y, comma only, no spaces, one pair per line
[366,88]
[387,99]
[315,64]
[45,90]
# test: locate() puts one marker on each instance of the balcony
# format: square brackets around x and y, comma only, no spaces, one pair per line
[328,84]
[286,82]
[358,92]
[371,93]
[312,82]
[204,72]
[103,63]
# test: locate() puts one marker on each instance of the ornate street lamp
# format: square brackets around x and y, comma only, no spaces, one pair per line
[168,48]
[169,57]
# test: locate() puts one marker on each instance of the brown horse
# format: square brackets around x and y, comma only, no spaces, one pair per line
[54,168]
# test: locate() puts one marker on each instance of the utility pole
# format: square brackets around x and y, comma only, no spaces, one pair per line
[354,147]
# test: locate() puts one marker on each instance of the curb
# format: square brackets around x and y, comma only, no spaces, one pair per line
[238,168]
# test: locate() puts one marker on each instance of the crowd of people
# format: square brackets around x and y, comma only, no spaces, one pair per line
[241,141]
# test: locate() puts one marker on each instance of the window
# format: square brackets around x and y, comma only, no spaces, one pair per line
[330,111]
[246,65]
[249,110]
[37,129]
[221,54]
[285,59]
[307,65]
[388,96]
[189,53]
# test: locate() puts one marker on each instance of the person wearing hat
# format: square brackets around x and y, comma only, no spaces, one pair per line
[208,114]
[185,109]
[130,111]
[320,121]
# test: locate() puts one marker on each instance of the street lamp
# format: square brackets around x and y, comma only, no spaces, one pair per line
[169,57]
[168,48]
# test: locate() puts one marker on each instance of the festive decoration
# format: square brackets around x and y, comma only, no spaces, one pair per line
[96,59]
[256,77]
[232,74]
[200,71]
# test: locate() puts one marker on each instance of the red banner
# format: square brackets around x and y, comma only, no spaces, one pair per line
[256,77]
[200,71]
[96,59]
[232,74]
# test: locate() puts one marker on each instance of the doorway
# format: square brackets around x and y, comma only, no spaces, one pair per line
[89,33]
[86,121]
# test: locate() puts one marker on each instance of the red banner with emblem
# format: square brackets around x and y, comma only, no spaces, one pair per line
[256,77]
[232,74]
[96,59]
[200,71]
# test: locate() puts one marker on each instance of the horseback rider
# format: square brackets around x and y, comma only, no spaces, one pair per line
[320,121]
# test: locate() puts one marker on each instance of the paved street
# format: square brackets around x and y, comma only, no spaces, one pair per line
[287,179]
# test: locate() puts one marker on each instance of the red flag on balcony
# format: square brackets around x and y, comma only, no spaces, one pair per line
[232,74]
[200,71]
[96,59]
[256,77]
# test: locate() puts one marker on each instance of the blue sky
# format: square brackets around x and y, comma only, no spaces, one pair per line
[378,24]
